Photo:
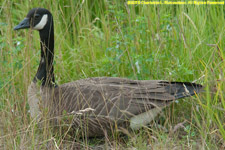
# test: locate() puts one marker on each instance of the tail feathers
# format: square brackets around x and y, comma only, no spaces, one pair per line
[183,89]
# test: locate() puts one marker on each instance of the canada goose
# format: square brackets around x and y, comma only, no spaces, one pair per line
[96,103]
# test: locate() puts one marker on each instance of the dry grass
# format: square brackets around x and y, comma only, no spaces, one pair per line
[177,43]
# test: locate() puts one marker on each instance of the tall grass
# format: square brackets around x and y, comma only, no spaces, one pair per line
[110,38]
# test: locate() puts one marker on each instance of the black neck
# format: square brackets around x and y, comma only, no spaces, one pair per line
[45,71]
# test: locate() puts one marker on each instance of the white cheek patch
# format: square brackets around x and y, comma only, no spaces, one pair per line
[42,23]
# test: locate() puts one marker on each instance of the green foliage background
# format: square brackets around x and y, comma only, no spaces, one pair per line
[110,38]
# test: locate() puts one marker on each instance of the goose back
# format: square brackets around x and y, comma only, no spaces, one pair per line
[100,103]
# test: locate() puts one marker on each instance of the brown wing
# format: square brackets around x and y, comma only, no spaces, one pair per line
[96,104]
[119,98]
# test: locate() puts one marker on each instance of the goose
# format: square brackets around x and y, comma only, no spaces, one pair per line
[99,104]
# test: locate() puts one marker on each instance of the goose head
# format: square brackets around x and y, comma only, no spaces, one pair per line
[41,19]
[37,19]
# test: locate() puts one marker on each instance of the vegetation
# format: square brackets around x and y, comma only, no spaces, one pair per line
[110,38]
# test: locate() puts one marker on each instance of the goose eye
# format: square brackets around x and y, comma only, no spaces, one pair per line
[36,16]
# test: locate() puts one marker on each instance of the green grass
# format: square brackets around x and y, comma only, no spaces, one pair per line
[109,38]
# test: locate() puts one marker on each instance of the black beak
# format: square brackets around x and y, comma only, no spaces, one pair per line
[23,24]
